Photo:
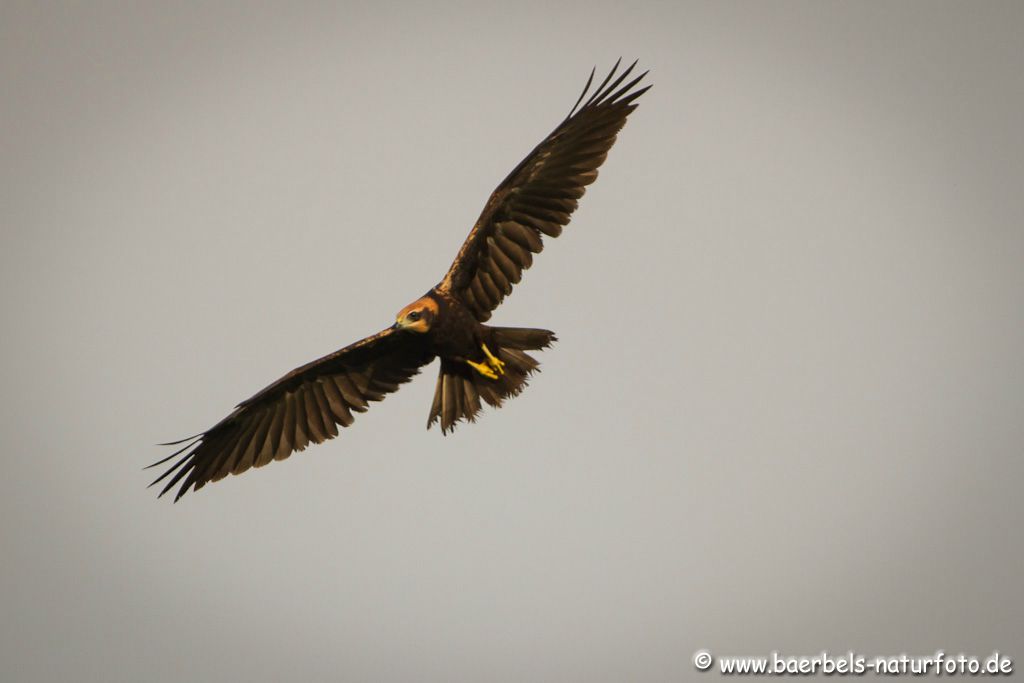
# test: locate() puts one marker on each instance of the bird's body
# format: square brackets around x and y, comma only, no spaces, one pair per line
[455,334]
[480,363]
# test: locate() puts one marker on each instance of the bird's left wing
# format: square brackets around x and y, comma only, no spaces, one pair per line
[305,406]
[538,196]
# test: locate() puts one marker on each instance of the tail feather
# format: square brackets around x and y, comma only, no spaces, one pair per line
[460,389]
[522,338]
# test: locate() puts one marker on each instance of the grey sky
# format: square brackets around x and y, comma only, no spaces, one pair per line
[784,412]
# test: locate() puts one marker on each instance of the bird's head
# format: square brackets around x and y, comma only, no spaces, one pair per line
[417,316]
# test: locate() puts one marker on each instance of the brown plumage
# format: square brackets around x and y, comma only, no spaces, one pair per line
[479,363]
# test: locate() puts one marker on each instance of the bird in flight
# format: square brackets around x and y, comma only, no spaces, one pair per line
[478,362]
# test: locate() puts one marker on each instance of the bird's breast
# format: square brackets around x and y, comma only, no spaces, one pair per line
[455,333]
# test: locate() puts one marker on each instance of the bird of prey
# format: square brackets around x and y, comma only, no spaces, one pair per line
[478,362]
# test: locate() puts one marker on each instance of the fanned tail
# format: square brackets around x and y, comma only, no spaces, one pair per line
[522,338]
[460,389]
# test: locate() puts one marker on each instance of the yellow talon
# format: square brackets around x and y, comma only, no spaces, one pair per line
[496,364]
[483,369]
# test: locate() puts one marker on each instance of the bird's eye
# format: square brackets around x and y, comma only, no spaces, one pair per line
[415,315]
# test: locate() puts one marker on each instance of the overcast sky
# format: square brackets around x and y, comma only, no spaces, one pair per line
[784,413]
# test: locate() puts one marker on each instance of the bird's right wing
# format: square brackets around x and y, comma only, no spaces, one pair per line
[305,406]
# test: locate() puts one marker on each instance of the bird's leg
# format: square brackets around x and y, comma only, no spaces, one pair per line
[496,364]
[483,369]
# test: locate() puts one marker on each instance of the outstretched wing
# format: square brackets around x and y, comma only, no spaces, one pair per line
[306,405]
[539,195]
